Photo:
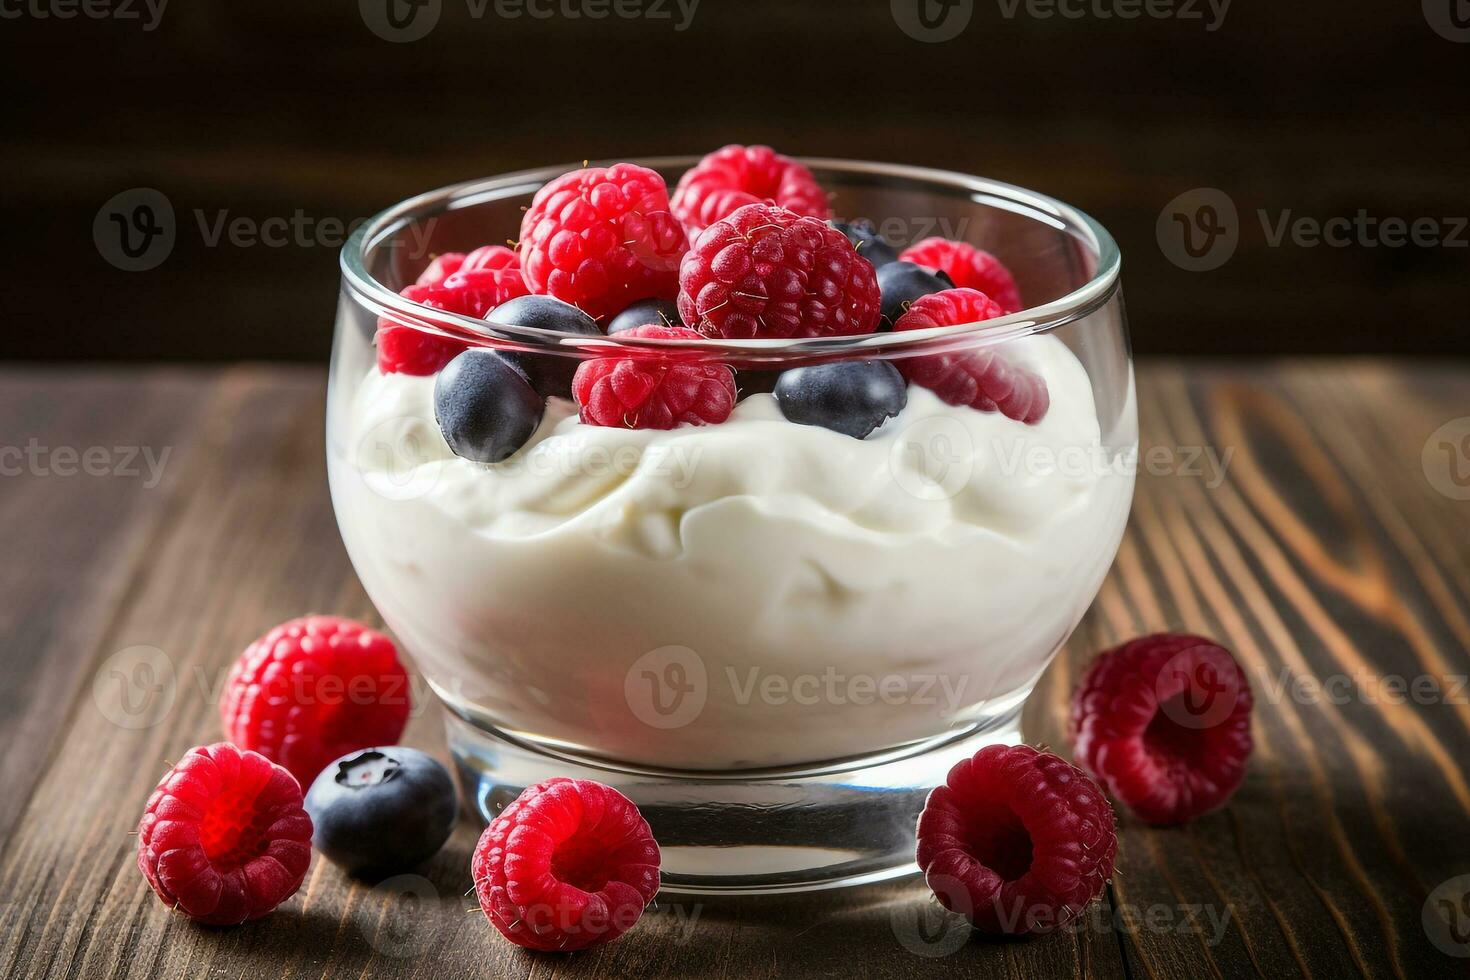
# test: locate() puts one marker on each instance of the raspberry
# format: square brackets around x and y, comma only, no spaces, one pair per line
[981,379]
[1016,840]
[969,267]
[734,176]
[314,689]
[601,238]
[569,864]
[224,837]
[1164,722]
[653,390]
[471,285]
[768,272]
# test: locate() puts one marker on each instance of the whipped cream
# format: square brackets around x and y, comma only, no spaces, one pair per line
[754,593]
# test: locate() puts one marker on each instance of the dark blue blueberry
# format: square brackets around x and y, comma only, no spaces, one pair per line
[646,311]
[381,811]
[901,283]
[485,405]
[869,244]
[550,374]
[853,397]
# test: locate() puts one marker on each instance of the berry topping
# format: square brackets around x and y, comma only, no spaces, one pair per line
[313,689]
[602,237]
[644,312]
[470,285]
[869,244]
[734,176]
[486,407]
[224,838]
[852,398]
[768,272]
[569,864]
[969,267]
[900,283]
[549,374]
[647,389]
[1016,840]
[381,811]
[981,379]
[1164,722]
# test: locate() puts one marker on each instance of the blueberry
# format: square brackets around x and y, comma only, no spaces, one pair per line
[485,405]
[903,282]
[550,374]
[646,311]
[869,244]
[852,397]
[381,811]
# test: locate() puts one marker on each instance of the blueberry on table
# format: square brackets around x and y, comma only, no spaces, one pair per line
[381,811]
[900,283]
[664,312]
[550,374]
[869,244]
[852,398]
[485,406]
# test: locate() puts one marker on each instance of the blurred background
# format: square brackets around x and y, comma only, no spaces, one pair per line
[1282,178]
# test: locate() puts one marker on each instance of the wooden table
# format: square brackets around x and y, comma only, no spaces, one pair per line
[1328,551]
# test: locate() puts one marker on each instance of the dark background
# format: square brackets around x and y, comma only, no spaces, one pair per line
[273,109]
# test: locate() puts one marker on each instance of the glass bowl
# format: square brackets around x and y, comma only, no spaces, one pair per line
[774,637]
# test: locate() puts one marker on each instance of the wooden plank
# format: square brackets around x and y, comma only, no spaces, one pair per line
[1319,551]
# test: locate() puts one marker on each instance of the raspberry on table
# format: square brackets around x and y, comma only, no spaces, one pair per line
[1017,840]
[601,238]
[314,689]
[1163,722]
[982,379]
[569,864]
[968,266]
[470,285]
[648,389]
[765,271]
[734,176]
[224,837]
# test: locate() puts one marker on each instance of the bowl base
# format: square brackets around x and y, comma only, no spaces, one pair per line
[758,832]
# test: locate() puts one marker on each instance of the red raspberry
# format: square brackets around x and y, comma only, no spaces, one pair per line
[601,238]
[471,285]
[735,175]
[653,390]
[314,689]
[1164,722]
[224,837]
[1017,840]
[969,267]
[768,272]
[981,379]
[569,864]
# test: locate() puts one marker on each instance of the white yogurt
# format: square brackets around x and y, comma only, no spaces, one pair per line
[754,593]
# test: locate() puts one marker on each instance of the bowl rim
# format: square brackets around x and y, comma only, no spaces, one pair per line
[1075,305]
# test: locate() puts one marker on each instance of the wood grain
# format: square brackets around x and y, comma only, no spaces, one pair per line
[1320,551]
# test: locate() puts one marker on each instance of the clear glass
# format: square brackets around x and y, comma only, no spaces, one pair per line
[774,637]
